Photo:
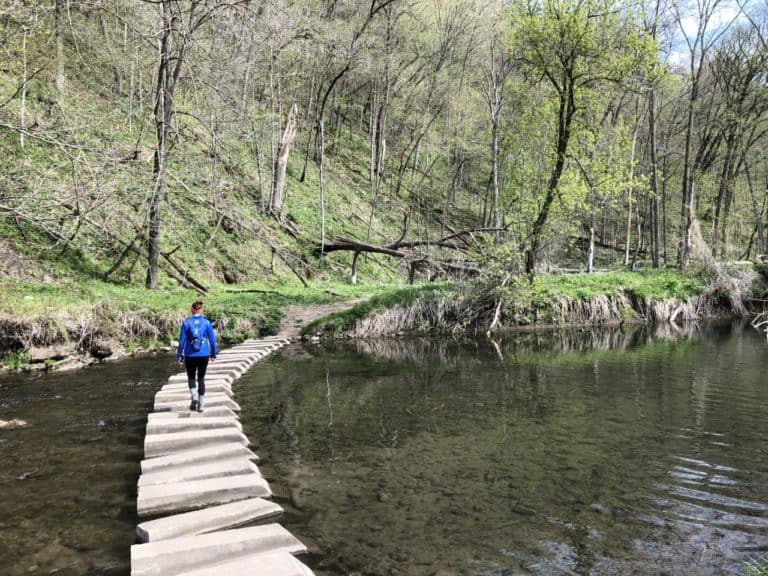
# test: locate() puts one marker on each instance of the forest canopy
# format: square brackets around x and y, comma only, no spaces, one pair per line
[203,140]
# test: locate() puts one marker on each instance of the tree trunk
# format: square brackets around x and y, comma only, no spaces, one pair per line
[566,110]
[495,211]
[162,113]
[262,206]
[23,95]
[322,190]
[632,181]
[171,62]
[289,133]
[687,190]
[59,25]
[722,192]
[355,258]
[759,212]
[372,138]
[655,236]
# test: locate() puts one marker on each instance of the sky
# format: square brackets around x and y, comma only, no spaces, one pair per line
[726,13]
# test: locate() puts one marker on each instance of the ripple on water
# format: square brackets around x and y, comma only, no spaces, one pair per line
[639,460]
[715,499]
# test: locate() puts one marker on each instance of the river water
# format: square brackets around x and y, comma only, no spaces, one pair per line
[582,453]
[589,453]
[68,479]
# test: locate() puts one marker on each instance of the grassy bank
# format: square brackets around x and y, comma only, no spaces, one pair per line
[577,299]
[44,325]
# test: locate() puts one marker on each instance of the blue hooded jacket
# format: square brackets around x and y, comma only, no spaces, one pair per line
[202,327]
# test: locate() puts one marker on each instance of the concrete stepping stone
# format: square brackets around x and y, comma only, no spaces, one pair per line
[232,360]
[200,471]
[244,352]
[178,388]
[198,468]
[174,395]
[234,372]
[213,412]
[217,399]
[269,564]
[188,424]
[182,378]
[173,497]
[209,381]
[224,381]
[189,553]
[220,370]
[248,357]
[197,455]
[164,444]
[181,405]
[211,519]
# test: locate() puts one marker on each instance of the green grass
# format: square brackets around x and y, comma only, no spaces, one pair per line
[650,284]
[239,312]
[530,303]
[534,302]
[756,567]
[335,323]
[16,360]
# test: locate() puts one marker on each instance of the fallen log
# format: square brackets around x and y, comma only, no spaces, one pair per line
[355,246]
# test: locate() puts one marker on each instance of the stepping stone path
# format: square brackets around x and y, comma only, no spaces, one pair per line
[199,485]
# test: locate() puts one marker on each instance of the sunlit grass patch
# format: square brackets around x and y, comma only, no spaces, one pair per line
[387,299]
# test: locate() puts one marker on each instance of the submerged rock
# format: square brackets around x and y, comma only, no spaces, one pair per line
[55,352]
[101,349]
[12,424]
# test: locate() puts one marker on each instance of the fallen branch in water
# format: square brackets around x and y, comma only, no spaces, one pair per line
[760,323]
[497,313]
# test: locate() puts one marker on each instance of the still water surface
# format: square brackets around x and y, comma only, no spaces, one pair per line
[68,479]
[588,454]
[584,453]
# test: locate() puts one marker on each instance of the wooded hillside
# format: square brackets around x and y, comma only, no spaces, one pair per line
[197,141]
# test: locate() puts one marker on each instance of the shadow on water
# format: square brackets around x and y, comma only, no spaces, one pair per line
[584,452]
[68,478]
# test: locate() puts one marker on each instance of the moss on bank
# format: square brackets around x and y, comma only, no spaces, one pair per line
[577,299]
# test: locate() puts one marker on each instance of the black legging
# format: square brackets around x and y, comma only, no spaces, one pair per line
[199,365]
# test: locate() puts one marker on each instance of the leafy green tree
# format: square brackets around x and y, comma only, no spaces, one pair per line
[576,48]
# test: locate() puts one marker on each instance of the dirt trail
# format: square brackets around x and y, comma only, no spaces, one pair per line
[296,317]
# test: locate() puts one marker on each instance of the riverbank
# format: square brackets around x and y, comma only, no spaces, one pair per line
[46,326]
[550,301]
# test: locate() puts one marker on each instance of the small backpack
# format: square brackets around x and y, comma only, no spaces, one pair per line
[193,335]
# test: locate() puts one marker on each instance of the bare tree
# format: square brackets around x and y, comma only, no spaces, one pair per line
[699,44]
[284,151]
[180,20]
[501,66]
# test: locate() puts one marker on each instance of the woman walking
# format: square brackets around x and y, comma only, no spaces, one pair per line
[197,344]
